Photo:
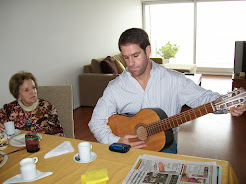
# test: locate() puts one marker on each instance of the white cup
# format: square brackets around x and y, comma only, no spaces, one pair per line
[28,168]
[9,128]
[85,151]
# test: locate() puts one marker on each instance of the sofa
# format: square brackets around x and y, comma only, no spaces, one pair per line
[100,71]
[93,81]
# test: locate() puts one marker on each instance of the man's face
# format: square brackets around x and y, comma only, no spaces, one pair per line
[136,59]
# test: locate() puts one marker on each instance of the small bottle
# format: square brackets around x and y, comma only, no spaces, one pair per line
[32,142]
[3,140]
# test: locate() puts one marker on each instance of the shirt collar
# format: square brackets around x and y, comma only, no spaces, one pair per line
[29,108]
[154,66]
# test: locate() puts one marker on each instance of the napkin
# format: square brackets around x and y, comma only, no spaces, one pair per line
[63,148]
[18,179]
[99,176]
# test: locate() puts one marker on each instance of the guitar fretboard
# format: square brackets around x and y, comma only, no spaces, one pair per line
[179,119]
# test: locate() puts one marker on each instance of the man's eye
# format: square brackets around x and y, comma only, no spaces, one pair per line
[125,58]
[136,55]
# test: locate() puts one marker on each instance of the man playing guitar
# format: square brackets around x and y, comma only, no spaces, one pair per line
[146,84]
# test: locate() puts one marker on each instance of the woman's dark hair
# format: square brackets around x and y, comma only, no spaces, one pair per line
[134,36]
[17,80]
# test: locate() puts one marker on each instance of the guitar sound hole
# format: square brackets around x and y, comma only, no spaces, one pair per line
[142,133]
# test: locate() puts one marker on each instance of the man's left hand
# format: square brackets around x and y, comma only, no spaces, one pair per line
[238,111]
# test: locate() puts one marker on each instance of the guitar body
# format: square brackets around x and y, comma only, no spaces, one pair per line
[123,125]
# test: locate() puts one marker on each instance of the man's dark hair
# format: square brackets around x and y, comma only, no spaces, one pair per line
[134,36]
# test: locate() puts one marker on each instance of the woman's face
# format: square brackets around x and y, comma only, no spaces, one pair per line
[28,92]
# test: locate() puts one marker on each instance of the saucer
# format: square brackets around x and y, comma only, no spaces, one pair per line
[5,158]
[93,157]
[18,178]
[17,131]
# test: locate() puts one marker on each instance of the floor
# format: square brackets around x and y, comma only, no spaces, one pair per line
[219,136]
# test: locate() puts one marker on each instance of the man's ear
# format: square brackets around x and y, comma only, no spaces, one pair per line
[148,50]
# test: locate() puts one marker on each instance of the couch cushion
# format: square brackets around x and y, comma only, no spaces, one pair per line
[120,67]
[87,69]
[108,66]
[120,58]
[157,60]
[95,65]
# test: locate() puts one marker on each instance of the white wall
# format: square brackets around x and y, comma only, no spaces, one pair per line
[54,39]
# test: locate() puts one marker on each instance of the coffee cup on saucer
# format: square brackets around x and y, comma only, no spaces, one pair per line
[9,128]
[85,151]
[28,168]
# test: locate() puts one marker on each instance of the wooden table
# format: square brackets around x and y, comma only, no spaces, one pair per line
[190,68]
[65,170]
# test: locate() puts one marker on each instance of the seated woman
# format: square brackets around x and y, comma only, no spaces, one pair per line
[27,111]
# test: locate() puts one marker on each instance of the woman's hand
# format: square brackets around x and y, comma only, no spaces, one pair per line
[126,140]
[238,111]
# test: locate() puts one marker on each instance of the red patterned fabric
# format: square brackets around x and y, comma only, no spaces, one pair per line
[42,119]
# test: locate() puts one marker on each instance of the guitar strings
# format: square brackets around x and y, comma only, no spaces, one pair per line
[178,119]
[230,98]
[164,124]
[185,116]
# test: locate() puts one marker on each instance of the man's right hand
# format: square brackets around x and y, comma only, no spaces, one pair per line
[126,140]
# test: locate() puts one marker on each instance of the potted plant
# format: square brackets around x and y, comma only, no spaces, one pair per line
[168,51]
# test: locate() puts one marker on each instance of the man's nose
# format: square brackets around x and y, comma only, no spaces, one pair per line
[131,61]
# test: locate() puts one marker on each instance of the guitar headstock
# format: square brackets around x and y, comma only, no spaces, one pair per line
[231,99]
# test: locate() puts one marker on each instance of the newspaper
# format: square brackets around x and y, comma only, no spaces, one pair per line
[153,169]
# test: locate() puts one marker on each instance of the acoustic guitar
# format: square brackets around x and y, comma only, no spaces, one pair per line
[153,126]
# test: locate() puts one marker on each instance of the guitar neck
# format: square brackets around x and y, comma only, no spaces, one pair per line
[179,119]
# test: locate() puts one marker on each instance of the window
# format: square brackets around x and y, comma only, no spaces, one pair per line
[218,25]
[174,23]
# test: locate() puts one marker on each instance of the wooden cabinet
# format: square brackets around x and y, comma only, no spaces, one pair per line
[238,82]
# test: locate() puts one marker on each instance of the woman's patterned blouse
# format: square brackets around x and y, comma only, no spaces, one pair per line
[42,119]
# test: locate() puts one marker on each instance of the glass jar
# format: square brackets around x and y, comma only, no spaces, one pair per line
[32,142]
[3,140]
